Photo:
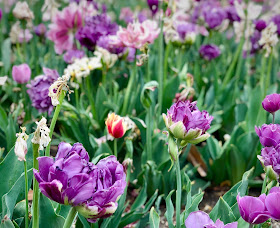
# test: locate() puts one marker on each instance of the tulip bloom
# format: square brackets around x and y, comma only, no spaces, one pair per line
[253,209]
[153,5]
[271,103]
[200,219]
[185,122]
[272,203]
[115,125]
[269,134]
[21,73]
[209,51]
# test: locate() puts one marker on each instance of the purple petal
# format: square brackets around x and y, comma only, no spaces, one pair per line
[198,219]
[44,165]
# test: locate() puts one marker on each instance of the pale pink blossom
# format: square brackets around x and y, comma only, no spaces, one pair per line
[64,26]
[136,35]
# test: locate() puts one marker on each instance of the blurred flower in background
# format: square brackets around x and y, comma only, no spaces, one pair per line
[209,51]
[21,73]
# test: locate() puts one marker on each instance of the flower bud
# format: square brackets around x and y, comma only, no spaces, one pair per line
[21,73]
[21,145]
[22,11]
[271,103]
[41,135]
[115,125]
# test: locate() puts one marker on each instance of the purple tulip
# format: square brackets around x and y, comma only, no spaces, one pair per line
[21,73]
[40,30]
[65,179]
[185,28]
[109,184]
[214,16]
[253,209]
[209,51]
[200,219]
[270,156]
[71,55]
[276,20]
[269,134]
[271,103]
[260,25]
[184,121]
[39,89]
[232,14]
[153,4]
[272,203]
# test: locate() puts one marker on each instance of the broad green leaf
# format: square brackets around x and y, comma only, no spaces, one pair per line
[154,218]
[141,198]
[169,209]
[6,54]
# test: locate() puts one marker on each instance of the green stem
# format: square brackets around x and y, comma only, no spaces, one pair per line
[70,218]
[35,214]
[54,119]
[233,63]
[129,88]
[273,117]
[251,225]
[178,193]
[160,66]
[116,147]
[264,184]
[149,133]
[26,195]
[262,79]
[90,97]
[166,56]
[267,82]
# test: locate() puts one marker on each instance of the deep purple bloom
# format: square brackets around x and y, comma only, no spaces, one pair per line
[276,20]
[200,219]
[185,121]
[153,5]
[109,43]
[271,103]
[253,209]
[209,51]
[255,42]
[71,55]
[269,134]
[94,28]
[0,14]
[66,179]
[260,25]
[232,14]
[109,184]
[39,89]
[272,203]
[40,30]
[214,16]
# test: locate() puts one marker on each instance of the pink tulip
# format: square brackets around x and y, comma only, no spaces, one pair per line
[21,73]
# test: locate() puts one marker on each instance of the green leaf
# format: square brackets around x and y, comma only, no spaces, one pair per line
[3,119]
[141,198]
[6,54]
[6,223]
[154,218]
[169,209]
[145,93]
[15,195]
[49,218]
[83,221]
[133,217]
[169,91]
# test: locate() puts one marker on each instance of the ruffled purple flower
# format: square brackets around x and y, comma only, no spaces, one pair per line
[200,219]
[272,203]
[185,28]
[111,43]
[109,184]
[65,179]
[71,179]
[255,46]
[271,103]
[209,51]
[232,14]
[214,16]
[185,121]
[39,89]
[276,20]
[253,209]
[71,55]
[269,134]
[270,156]
[94,28]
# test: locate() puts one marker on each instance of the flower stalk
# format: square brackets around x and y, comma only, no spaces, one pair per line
[54,119]
[70,218]
[115,147]
[178,193]
[35,214]
[26,194]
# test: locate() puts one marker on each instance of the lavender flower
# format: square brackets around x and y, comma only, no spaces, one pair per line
[276,20]
[269,134]
[253,209]
[214,16]
[95,27]
[209,51]
[71,55]
[271,103]
[72,179]
[111,44]
[232,14]
[200,219]
[39,89]
[270,156]
[184,121]
[187,31]
[40,30]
